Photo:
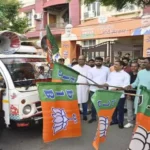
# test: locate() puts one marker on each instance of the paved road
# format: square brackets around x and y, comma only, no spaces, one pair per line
[31,139]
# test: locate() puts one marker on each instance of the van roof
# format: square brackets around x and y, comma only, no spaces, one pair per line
[21,56]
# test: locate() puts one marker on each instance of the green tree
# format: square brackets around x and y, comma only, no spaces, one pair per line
[9,16]
[119,4]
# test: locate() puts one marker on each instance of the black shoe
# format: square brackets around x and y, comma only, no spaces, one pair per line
[113,123]
[120,125]
[91,120]
[85,118]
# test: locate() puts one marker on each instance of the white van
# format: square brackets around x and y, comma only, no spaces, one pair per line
[19,73]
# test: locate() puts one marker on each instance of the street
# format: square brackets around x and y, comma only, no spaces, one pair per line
[31,139]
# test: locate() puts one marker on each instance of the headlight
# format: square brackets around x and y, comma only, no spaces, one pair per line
[27,109]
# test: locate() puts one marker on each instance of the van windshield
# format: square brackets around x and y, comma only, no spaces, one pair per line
[27,71]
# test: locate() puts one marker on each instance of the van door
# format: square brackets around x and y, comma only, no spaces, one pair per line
[5,97]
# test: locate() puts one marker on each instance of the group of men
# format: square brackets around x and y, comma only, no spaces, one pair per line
[123,76]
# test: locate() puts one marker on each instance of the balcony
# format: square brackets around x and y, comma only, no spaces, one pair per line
[54,2]
[58,25]
[90,14]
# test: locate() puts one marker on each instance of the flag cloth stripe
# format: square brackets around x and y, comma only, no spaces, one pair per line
[64,73]
[141,136]
[105,103]
[61,118]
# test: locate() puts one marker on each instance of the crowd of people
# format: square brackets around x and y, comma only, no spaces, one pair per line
[125,74]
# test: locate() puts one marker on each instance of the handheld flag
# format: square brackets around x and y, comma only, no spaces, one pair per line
[62,73]
[105,103]
[52,40]
[61,118]
[141,137]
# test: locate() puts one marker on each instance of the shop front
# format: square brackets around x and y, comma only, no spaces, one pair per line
[126,35]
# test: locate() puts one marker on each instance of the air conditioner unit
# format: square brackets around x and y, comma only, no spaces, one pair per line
[91,14]
[38,16]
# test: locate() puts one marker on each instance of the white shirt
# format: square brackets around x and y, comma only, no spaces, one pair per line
[82,90]
[98,75]
[82,70]
[119,79]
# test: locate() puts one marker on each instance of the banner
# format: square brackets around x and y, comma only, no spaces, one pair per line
[61,118]
[105,103]
[141,137]
[62,73]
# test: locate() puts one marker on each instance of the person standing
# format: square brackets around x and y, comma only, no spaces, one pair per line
[143,78]
[91,63]
[98,74]
[107,62]
[141,63]
[120,79]
[130,99]
[61,61]
[126,67]
[82,90]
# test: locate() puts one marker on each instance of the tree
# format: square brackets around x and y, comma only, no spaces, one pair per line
[9,16]
[119,4]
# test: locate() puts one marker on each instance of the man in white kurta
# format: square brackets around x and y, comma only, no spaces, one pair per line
[82,90]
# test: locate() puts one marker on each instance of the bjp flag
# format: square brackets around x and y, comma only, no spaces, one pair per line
[61,118]
[105,103]
[62,73]
[141,137]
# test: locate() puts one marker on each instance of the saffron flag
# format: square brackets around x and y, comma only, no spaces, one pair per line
[61,118]
[54,47]
[105,103]
[62,73]
[141,137]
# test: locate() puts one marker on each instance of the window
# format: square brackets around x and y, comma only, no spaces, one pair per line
[92,10]
[88,43]
[26,71]
[128,8]
[29,17]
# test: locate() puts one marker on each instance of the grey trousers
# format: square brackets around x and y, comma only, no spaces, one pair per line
[130,109]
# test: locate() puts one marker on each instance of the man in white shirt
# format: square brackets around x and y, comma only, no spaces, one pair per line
[98,74]
[121,79]
[82,90]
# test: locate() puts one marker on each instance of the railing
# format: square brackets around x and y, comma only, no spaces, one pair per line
[58,25]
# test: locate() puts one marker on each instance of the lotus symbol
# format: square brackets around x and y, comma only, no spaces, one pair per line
[140,140]
[103,125]
[60,120]
[49,94]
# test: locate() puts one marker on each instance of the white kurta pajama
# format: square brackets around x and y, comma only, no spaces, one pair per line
[82,90]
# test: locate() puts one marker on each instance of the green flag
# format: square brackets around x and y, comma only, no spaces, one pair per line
[62,73]
[52,40]
[105,103]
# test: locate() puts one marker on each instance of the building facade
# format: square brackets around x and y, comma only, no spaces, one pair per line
[106,32]
[56,13]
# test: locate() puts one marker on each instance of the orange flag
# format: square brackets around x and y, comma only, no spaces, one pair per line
[61,118]
[141,137]
[105,103]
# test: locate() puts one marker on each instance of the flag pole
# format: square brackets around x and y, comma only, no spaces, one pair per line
[111,86]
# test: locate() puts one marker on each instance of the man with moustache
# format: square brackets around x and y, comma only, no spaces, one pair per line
[98,74]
